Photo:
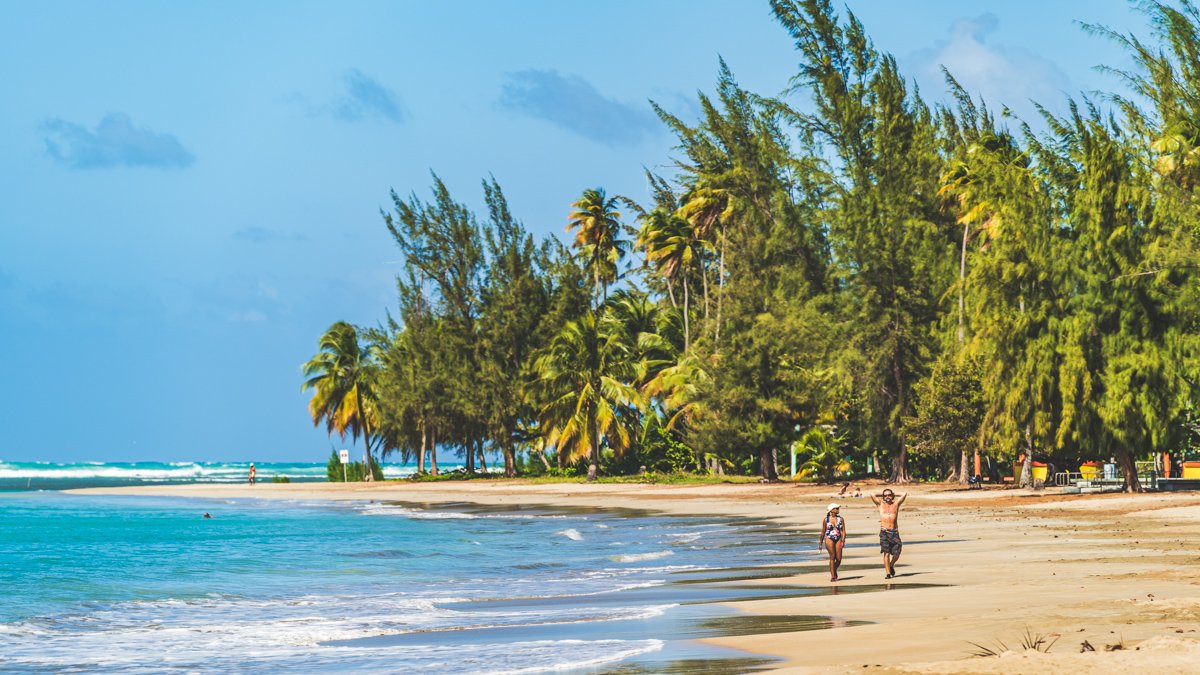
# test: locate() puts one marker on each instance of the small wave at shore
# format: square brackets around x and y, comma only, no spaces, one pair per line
[640,557]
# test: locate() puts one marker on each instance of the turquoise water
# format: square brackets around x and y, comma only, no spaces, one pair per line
[143,584]
[63,476]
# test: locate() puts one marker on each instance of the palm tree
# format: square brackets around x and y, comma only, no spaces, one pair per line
[823,456]
[709,209]
[598,236]
[583,390]
[642,323]
[672,248]
[343,376]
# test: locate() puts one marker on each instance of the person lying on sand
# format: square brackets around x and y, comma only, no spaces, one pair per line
[889,528]
[833,538]
[842,492]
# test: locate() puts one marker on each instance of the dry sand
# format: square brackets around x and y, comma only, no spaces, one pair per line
[1119,572]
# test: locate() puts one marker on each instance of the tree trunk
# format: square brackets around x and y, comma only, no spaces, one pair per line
[962,277]
[510,460]
[900,459]
[542,456]
[366,432]
[594,452]
[687,334]
[482,459]
[433,451]
[900,466]
[370,476]
[469,457]
[1129,469]
[720,294]
[421,452]
[671,292]
[1027,467]
[766,460]
[964,472]
[596,276]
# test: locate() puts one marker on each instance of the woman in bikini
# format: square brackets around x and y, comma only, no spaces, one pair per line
[833,538]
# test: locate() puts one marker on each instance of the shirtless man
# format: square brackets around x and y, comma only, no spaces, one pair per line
[889,528]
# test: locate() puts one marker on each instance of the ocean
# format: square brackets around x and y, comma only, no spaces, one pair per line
[147,584]
[63,476]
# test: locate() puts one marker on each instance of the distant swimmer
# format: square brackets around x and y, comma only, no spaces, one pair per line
[253,473]
[207,515]
[889,528]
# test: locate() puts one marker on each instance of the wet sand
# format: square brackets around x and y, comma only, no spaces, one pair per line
[989,567]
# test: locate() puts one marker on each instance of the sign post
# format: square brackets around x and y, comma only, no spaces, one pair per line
[345,455]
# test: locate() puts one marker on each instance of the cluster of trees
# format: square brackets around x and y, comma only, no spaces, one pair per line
[910,282]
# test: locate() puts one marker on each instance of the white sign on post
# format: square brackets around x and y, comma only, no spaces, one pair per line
[345,455]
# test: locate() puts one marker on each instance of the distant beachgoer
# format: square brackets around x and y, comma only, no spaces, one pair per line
[842,492]
[857,491]
[253,473]
[206,515]
[889,528]
[833,538]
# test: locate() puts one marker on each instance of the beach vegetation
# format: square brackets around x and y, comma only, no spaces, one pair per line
[343,376]
[353,472]
[891,282]
[948,415]
[822,455]
[1029,641]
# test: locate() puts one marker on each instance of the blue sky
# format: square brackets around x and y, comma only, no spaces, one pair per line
[190,192]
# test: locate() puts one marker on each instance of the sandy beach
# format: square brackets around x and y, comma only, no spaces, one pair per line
[989,567]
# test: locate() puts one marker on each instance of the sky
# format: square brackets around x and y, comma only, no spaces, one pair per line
[191,193]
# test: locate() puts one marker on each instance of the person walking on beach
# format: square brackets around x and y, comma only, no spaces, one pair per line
[253,473]
[889,528]
[833,538]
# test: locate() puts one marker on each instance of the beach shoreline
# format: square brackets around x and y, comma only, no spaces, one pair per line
[984,566]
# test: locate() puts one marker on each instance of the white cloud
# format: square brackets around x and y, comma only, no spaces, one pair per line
[248,316]
[116,141]
[574,104]
[366,99]
[267,291]
[1003,75]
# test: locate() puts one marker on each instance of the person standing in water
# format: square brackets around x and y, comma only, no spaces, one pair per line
[253,473]
[889,528]
[833,538]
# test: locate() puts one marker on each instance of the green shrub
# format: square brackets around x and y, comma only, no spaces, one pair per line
[280,479]
[354,471]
